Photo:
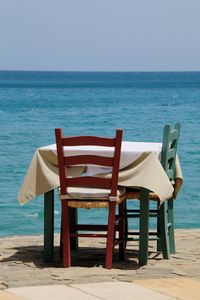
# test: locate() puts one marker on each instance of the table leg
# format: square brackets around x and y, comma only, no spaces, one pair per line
[48,226]
[144,226]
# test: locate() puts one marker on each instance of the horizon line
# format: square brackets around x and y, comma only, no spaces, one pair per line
[97,71]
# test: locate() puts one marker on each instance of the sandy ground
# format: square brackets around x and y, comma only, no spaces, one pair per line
[21,264]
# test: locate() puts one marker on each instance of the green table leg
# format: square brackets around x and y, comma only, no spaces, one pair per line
[144,227]
[48,225]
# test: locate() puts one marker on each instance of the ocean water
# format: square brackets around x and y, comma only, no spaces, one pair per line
[32,104]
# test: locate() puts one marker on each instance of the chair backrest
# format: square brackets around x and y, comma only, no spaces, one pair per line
[88,181]
[169,149]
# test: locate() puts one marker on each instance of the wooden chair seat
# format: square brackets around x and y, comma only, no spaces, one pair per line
[136,194]
[93,203]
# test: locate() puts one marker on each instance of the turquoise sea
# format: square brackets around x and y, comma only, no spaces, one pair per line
[32,104]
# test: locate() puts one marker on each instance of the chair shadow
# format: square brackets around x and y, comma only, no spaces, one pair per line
[83,257]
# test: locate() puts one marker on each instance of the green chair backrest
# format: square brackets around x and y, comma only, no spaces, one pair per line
[169,149]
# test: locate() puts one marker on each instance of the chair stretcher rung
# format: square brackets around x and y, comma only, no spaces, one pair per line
[151,215]
[133,215]
[90,235]
[137,210]
[137,239]
[89,227]
[137,233]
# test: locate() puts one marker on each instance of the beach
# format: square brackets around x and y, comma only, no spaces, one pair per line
[22,265]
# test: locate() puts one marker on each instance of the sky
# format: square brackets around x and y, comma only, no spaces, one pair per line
[100,35]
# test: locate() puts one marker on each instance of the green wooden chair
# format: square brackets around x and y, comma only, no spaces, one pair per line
[163,212]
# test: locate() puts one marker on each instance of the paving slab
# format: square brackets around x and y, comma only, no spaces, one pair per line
[121,291]
[5,295]
[51,292]
[180,288]
[91,291]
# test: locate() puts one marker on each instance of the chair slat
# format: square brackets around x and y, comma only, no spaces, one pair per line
[173,134]
[171,154]
[89,159]
[88,181]
[88,141]
[170,174]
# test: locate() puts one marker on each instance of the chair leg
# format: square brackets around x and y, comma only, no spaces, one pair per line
[73,212]
[144,227]
[159,246]
[171,226]
[110,235]
[66,235]
[125,223]
[61,240]
[121,231]
[164,237]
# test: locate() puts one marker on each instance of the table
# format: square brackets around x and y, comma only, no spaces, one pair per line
[139,167]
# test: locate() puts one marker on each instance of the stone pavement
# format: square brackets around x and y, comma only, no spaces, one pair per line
[87,291]
[21,265]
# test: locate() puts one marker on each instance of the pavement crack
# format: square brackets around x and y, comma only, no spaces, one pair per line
[90,294]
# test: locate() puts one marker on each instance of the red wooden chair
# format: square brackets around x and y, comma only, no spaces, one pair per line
[91,192]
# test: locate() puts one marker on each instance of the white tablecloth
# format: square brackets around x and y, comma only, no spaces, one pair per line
[130,152]
[139,167]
